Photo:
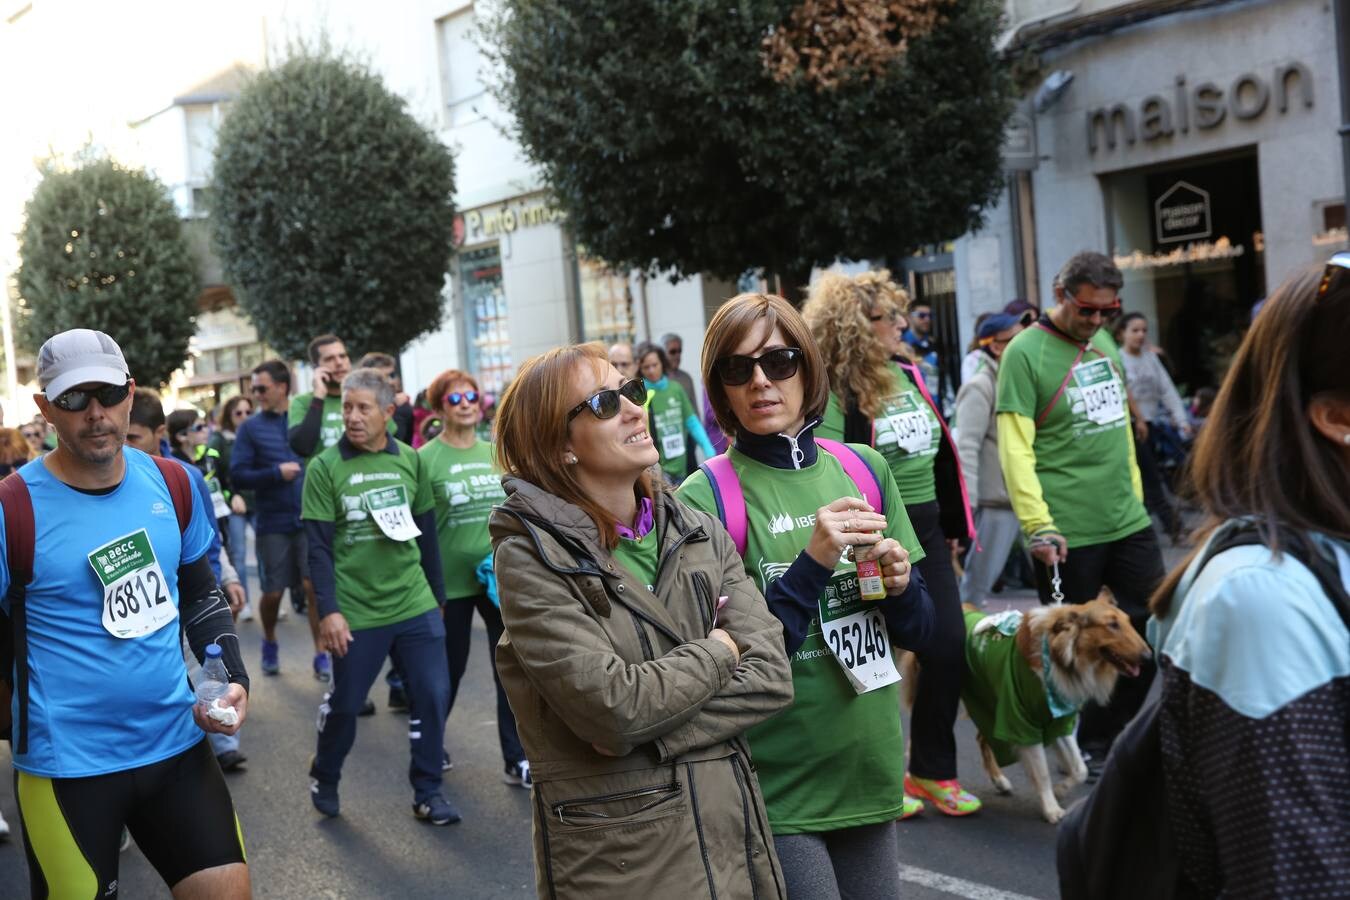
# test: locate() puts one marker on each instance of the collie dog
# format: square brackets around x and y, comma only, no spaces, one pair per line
[1028,675]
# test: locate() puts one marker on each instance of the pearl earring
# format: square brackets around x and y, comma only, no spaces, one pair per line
[572,459]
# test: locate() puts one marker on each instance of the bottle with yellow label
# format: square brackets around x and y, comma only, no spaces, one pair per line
[870,585]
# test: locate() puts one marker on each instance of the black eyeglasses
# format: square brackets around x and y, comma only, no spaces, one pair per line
[200,426]
[1338,263]
[605,404]
[259,389]
[455,397]
[1087,310]
[108,395]
[29,435]
[777,365]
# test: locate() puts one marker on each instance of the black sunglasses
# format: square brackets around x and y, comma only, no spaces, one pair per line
[1339,262]
[605,404]
[454,397]
[108,395]
[777,365]
[29,435]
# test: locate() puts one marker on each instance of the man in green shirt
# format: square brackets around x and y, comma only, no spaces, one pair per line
[370,525]
[1067,450]
[316,417]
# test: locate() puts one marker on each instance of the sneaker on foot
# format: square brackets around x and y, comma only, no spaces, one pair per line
[324,796]
[231,760]
[246,614]
[446,762]
[436,810]
[282,612]
[518,773]
[912,807]
[398,698]
[323,667]
[947,795]
[367,708]
[271,664]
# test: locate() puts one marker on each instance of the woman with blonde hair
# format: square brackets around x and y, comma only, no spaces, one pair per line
[637,650]
[810,518]
[877,401]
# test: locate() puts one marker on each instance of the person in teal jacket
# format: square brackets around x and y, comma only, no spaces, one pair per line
[671,416]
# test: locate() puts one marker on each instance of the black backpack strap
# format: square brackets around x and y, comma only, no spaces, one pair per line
[19,543]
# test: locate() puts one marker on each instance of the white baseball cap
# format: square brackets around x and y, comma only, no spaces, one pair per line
[79,356]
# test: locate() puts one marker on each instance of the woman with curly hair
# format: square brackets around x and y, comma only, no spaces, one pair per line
[879,401]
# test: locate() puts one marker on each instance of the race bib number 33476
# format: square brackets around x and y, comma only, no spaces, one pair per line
[136,599]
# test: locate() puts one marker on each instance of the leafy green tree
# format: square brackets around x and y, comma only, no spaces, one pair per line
[332,207]
[102,247]
[701,145]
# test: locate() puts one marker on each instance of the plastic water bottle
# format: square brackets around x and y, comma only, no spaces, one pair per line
[214,680]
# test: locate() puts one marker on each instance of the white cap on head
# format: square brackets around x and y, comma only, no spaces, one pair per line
[79,356]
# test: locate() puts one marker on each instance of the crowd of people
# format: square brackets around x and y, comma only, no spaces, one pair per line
[694,589]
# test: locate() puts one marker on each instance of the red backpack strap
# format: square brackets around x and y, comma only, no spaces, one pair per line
[857,469]
[20,539]
[180,489]
[730,499]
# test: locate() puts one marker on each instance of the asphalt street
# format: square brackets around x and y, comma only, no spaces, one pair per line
[376,848]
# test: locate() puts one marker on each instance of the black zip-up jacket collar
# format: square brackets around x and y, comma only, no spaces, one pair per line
[782,451]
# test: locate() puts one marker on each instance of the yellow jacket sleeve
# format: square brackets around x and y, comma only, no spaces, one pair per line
[1016,437]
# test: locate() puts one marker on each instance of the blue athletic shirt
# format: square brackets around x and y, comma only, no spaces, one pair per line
[98,703]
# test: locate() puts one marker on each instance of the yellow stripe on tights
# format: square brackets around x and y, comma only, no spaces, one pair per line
[67,872]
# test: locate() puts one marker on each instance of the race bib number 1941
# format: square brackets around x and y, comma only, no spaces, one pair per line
[390,509]
[136,598]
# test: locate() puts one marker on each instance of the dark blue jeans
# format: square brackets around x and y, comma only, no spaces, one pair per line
[417,646]
[458,631]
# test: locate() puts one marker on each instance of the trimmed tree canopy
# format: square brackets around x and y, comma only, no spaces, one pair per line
[728,137]
[332,208]
[102,247]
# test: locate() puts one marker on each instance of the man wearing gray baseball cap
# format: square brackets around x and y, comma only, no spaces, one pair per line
[107,560]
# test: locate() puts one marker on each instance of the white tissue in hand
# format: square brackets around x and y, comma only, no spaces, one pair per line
[225,715]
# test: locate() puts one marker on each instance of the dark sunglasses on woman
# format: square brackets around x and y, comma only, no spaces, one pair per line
[109,395]
[777,365]
[605,404]
[455,397]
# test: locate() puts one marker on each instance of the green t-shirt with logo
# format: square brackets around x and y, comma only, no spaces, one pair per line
[1083,449]
[331,426]
[466,487]
[379,580]
[667,409]
[835,758]
[906,432]
[641,557]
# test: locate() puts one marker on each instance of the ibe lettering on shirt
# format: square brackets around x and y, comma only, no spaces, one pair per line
[855,631]
[135,597]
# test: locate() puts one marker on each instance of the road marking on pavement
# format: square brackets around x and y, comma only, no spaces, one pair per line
[972,890]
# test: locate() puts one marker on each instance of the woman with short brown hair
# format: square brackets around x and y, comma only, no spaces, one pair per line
[636,650]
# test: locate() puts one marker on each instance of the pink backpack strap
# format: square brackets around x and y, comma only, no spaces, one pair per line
[730,499]
[857,470]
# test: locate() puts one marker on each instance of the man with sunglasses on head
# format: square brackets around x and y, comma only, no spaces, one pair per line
[370,527]
[264,462]
[1067,450]
[107,732]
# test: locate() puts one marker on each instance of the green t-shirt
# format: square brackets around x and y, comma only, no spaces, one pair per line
[331,426]
[907,433]
[466,487]
[667,409]
[1083,449]
[641,557]
[835,758]
[1006,699]
[379,580]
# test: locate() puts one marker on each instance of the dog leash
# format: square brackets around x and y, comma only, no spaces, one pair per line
[1056,594]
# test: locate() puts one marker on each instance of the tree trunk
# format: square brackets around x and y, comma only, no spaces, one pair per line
[793,284]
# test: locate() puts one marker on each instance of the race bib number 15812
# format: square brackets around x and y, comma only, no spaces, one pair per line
[136,599]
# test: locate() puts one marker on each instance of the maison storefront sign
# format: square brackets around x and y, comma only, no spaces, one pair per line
[1202,106]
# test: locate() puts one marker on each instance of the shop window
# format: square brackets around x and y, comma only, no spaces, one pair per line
[485,312]
[460,62]
[1189,241]
[606,303]
[1331,230]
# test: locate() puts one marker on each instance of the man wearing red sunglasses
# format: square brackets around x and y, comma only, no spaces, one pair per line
[1067,450]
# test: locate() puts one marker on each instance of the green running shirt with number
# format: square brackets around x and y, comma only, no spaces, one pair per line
[667,409]
[466,487]
[379,581]
[906,432]
[834,758]
[1083,449]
